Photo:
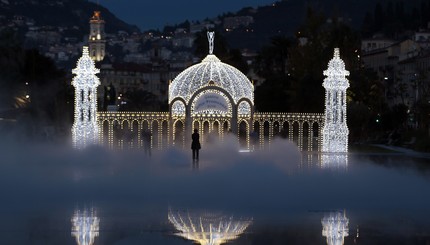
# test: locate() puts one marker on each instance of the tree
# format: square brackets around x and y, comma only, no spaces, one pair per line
[11,61]
[271,64]
[309,58]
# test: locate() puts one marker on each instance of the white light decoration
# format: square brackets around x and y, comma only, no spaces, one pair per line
[336,161]
[244,109]
[211,39]
[85,227]
[178,109]
[211,71]
[335,228]
[207,229]
[335,131]
[211,102]
[85,129]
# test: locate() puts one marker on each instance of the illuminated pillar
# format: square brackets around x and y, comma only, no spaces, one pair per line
[85,128]
[335,131]
[335,228]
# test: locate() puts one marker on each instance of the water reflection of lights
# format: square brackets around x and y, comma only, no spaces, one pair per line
[207,229]
[85,226]
[335,227]
[334,161]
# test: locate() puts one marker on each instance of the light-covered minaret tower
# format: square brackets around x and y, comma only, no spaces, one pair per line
[85,227]
[335,228]
[97,40]
[85,129]
[335,131]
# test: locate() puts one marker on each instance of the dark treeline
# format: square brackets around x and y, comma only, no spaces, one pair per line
[34,92]
[394,18]
[291,70]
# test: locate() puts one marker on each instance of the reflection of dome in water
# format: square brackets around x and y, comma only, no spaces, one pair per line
[207,229]
[85,227]
[335,228]
[211,70]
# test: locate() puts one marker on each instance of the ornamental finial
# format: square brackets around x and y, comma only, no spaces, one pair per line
[336,53]
[211,37]
[85,50]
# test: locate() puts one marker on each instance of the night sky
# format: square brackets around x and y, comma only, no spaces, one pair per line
[153,14]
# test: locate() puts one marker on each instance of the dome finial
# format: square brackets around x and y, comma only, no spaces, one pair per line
[211,37]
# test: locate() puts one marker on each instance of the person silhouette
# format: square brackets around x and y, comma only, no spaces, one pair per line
[195,144]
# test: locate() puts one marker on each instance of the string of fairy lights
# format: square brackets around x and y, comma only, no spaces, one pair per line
[232,94]
[211,71]
[335,131]
[85,129]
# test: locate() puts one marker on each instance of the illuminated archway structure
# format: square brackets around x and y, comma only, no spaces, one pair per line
[217,99]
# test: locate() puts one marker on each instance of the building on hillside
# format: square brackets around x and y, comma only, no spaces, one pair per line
[97,39]
[368,45]
[231,23]
[129,77]
[394,64]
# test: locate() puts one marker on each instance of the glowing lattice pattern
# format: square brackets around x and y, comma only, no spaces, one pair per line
[336,161]
[244,109]
[214,72]
[178,109]
[212,111]
[207,229]
[335,228]
[85,227]
[85,129]
[335,131]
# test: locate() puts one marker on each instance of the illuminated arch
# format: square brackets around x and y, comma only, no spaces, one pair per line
[178,109]
[212,112]
[211,71]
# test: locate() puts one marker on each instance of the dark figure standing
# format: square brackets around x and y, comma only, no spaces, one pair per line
[195,144]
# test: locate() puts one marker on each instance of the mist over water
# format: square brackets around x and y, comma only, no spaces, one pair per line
[42,184]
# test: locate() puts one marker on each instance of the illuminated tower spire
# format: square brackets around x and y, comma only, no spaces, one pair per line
[85,227]
[335,131]
[335,228]
[85,129]
[97,40]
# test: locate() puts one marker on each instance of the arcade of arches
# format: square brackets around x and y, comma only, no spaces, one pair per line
[124,129]
[216,99]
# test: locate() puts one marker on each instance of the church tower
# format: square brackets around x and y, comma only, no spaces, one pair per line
[97,40]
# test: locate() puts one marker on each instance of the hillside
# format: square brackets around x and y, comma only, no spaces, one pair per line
[67,13]
[284,18]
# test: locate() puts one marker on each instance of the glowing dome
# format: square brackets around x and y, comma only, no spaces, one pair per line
[211,71]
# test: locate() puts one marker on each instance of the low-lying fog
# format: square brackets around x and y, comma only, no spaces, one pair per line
[41,186]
